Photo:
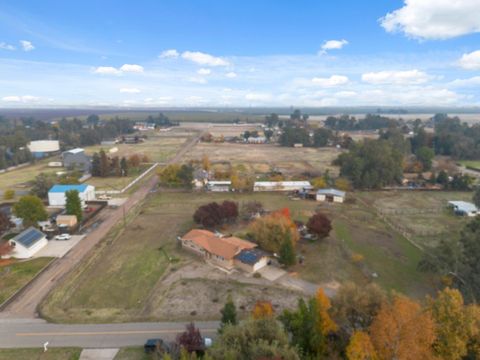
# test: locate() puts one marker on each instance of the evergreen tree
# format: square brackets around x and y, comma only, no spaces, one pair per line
[96,171]
[74,205]
[104,165]
[229,314]
[287,251]
[124,166]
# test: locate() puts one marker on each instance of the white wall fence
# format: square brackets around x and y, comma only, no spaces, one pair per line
[135,181]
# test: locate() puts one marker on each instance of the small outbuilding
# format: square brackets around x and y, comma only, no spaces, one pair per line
[219,186]
[331,195]
[282,186]
[56,195]
[28,243]
[66,220]
[464,208]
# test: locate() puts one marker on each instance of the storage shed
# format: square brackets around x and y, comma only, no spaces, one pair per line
[331,195]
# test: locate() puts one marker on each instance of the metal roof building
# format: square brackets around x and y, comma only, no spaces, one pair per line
[464,208]
[56,194]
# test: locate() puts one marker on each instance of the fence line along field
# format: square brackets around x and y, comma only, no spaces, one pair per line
[141,274]
[424,215]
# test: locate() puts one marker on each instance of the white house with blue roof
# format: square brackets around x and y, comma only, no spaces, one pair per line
[57,197]
[28,243]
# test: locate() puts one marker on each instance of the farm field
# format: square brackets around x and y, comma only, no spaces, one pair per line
[423,214]
[15,275]
[158,146]
[264,158]
[18,179]
[129,277]
[183,116]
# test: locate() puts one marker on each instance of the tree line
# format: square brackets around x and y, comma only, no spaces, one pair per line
[358,323]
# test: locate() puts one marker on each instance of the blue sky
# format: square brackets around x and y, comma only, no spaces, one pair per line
[239,53]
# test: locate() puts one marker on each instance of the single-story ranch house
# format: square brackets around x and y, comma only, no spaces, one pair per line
[331,195]
[56,195]
[226,252]
[28,243]
[219,186]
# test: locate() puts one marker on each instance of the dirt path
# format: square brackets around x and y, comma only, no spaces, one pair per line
[25,305]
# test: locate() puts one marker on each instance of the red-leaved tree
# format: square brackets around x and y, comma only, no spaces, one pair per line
[319,225]
[191,340]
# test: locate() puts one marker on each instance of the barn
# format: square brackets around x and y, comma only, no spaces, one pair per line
[56,195]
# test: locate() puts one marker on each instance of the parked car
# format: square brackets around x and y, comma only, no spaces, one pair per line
[88,210]
[63,237]
[152,345]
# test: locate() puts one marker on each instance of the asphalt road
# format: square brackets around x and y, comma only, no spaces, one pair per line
[34,333]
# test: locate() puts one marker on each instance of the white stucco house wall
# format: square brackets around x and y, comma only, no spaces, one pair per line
[56,195]
[28,243]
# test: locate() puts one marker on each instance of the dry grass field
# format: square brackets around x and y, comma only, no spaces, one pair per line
[264,158]
[423,214]
[19,179]
[129,277]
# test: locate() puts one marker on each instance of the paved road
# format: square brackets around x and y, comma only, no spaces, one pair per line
[25,305]
[34,333]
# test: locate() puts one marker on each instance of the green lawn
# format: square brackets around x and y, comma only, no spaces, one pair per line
[19,179]
[16,275]
[39,354]
[133,353]
[475,164]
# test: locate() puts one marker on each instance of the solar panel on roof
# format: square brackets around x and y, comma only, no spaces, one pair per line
[29,237]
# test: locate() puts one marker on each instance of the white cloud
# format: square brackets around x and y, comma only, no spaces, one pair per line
[11,98]
[126,68]
[334,80]
[169,54]
[333,45]
[204,59]
[204,71]
[474,81]
[197,80]
[396,77]
[130,90]
[21,99]
[133,68]
[470,61]
[231,75]
[434,19]
[5,46]
[27,45]
[260,97]
[345,94]
[107,70]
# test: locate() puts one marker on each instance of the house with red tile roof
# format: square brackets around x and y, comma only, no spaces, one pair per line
[227,252]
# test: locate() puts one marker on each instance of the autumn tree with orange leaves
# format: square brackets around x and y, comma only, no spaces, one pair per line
[262,310]
[403,330]
[360,347]
[271,231]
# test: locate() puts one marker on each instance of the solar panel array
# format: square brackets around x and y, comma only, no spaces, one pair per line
[29,237]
